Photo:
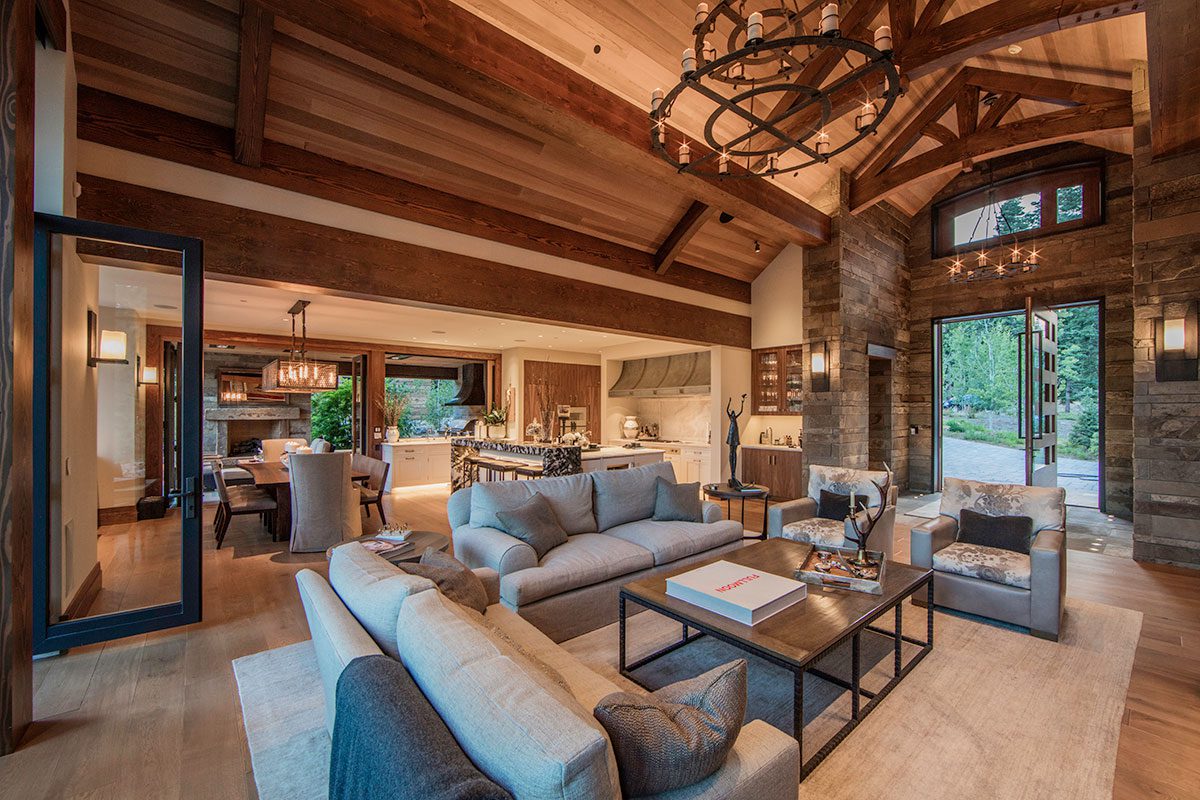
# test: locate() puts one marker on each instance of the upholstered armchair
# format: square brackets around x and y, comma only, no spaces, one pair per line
[797,519]
[1024,590]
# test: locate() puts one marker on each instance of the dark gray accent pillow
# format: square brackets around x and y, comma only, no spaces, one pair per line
[453,578]
[678,735]
[534,523]
[837,506]
[678,502]
[1005,533]
[374,758]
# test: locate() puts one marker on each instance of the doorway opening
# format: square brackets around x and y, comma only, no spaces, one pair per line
[1018,399]
[879,409]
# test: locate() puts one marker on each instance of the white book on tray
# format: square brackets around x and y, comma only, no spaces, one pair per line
[742,593]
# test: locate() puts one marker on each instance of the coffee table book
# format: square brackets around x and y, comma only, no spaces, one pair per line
[741,593]
[385,547]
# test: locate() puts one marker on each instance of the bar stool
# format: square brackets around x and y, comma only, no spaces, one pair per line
[529,471]
[496,469]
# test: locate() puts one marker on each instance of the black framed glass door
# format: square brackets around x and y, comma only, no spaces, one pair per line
[1040,393]
[117,432]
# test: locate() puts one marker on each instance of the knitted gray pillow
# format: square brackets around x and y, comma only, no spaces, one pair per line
[534,523]
[679,502]
[453,578]
[677,735]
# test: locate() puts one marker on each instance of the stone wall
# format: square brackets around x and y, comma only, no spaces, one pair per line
[1166,258]
[216,362]
[1089,264]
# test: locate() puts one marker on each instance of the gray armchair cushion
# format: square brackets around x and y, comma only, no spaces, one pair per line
[570,496]
[677,502]
[626,495]
[453,578]
[534,523]
[584,560]
[986,563]
[844,480]
[1047,507]
[780,514]
[678,735]
[816,530]
[671,541]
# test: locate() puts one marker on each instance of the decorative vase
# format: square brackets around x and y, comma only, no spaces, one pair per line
[392,433]
[630,427]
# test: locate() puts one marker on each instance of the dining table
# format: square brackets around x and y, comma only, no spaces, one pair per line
[274,477]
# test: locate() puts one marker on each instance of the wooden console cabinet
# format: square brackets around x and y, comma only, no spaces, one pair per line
[782,469]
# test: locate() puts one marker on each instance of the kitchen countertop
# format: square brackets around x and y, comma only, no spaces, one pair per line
[422,440]
[615,451]
[757,446]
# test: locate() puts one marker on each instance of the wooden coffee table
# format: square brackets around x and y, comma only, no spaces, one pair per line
[799,636]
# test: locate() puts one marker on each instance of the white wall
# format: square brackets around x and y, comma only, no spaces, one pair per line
[120,443]
[777,320]
[730,380]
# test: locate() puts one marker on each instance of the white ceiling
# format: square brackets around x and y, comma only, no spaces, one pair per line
[258,309]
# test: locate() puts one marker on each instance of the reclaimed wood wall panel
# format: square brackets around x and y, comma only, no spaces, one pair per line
[567,384]
[254,246]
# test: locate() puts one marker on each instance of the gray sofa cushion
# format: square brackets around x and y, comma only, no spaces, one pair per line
[625,495]
[453,578]
[677,501]
[520,728]
[570,496]
[671,541]
[680,734]
[534,523]
[986,563]
[373,590]
[584,560]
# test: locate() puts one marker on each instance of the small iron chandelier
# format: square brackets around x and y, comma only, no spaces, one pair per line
[1008,260]
[768,49]
[297,374]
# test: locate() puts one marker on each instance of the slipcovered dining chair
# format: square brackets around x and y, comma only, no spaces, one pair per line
[1002,584]
[371,494]
[235,501]
[272,449]
[320,445]
[324,501]
[798,520]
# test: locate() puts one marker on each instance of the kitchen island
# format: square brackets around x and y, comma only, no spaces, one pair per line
[555,459]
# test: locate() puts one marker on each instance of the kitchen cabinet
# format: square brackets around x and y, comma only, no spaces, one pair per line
[777,380]
[416,463]
[780,468]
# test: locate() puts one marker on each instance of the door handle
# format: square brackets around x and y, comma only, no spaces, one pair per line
[189,497]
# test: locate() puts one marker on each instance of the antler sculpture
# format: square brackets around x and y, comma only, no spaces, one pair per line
[864,529]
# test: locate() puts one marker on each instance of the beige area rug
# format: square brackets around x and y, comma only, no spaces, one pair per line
[990,713]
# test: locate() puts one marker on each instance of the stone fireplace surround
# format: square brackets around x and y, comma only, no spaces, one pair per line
[230,424]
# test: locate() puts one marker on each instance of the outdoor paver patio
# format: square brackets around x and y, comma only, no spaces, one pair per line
[980,461]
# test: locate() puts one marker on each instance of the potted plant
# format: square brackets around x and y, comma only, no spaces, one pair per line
[392,407]
[496,416]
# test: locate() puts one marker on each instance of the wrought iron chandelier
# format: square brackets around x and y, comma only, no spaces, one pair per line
[783,122]
[298,374]
[1009,260]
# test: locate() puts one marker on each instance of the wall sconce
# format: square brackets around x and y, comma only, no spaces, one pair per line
[104,347]
[1175,344]
[146,376]
[819,362]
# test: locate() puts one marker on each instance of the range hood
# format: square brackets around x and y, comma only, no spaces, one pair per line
[470,386]
[664,376]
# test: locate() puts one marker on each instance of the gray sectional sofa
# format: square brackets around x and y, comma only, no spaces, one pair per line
[612,540]
[526,726]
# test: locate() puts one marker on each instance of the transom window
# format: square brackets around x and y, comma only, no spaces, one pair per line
[1030,206]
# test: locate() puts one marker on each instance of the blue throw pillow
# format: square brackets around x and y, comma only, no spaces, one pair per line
[677,502]
[534,523]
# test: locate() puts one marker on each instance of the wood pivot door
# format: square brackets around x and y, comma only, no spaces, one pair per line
[1040,407]
[98,380]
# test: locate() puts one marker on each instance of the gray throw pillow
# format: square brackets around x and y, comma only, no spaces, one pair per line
[534,523]
[678,735]
[679,502]
[1004,532]
[453,578]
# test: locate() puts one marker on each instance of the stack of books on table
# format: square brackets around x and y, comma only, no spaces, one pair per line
[742,593]
[387,545]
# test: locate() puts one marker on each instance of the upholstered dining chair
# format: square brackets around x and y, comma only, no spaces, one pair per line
[235,501]
[797,519]
[320,445]
[1020,589]
[324,501]
[371,493]
[272,449]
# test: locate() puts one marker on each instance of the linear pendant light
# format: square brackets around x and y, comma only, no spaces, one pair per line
[299,375]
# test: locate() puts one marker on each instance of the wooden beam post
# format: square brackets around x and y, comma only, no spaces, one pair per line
[254,68]
[689,224]
[1173,50]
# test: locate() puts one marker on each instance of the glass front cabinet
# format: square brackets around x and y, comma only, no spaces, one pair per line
[778,380]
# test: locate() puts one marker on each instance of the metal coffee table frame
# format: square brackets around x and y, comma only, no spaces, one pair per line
[858,709]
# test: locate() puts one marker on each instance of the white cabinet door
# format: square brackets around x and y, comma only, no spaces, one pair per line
[408,469]
[676,462]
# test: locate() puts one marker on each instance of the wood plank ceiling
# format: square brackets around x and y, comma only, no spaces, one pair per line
[332,100]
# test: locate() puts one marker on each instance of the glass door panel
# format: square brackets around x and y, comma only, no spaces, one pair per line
[793,380]
[766,380]
[117,523]
[1041,395]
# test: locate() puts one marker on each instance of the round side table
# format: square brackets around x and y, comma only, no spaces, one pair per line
[749,491]
[421,541]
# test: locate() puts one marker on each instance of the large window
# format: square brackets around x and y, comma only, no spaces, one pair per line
[1034,205]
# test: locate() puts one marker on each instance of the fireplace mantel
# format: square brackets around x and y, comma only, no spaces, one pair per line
[226,413]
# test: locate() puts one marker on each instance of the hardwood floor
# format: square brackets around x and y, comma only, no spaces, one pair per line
[157,716]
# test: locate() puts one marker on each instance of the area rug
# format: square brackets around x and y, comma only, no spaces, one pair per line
[990,713]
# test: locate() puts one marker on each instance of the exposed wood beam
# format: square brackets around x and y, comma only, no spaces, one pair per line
[1045,129]
[902,18]
[52,22]
[688,226]
[1000,23]
[1001,106]
[1173,40]
[929,113]
[966,108]
[440,42]
[255,247]
[254,67]
[938,131]
[934,12]
[1046,90]
[128,125]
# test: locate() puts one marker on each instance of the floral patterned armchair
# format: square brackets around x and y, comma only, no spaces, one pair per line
[797,519]
[1012,587]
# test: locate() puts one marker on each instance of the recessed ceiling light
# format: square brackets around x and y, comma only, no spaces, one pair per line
[540,336]
[1014,49]
[221,346]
